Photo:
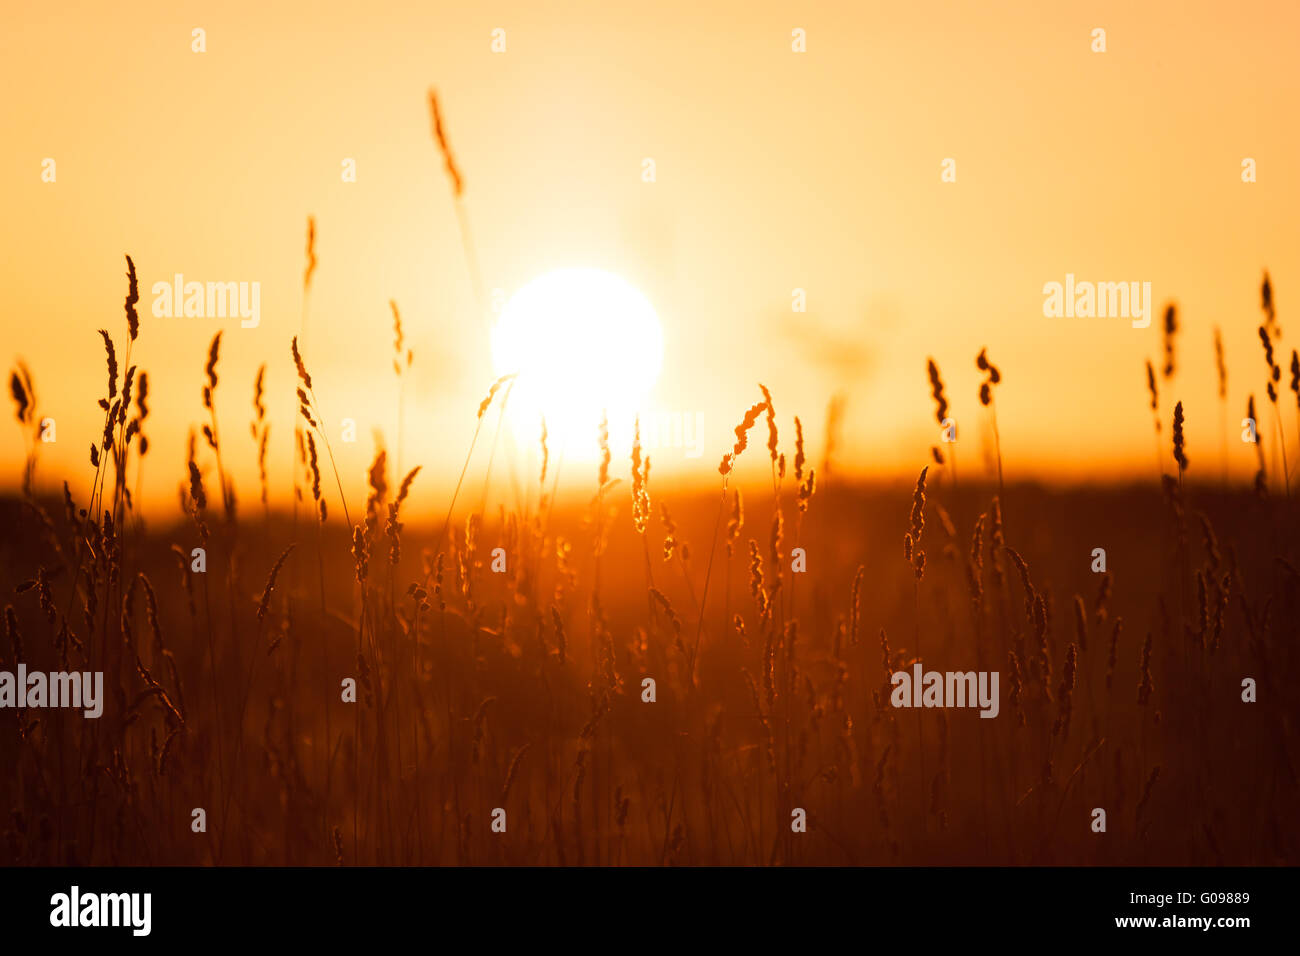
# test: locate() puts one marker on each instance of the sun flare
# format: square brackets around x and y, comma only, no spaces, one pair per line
[582,342]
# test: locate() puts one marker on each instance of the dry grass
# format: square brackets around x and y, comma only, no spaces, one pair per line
[619,717]
[524,689]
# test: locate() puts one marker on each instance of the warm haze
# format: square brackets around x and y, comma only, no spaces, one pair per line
[442,260]
[774,171]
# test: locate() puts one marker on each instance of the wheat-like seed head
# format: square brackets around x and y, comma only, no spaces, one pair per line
[264,604]
[602,436]
[300,366]
[1266,302]
[23,398]
[1219,365]
[110,354]
[132,297]
[1180,455]
[311,260]
[210,370]
[936,389]
[492,391]
[640,481]
[1170,330]
[440,137]
[771,422]
[742,437]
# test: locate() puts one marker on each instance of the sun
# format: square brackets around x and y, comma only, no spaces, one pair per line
[582,342]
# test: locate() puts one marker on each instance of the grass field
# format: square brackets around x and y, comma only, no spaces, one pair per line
[515,679]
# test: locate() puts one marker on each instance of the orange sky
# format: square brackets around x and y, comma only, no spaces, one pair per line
[775,170]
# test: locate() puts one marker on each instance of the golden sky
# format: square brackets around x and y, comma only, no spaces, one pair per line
[775,170]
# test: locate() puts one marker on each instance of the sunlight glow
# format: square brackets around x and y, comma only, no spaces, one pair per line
[582,341]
